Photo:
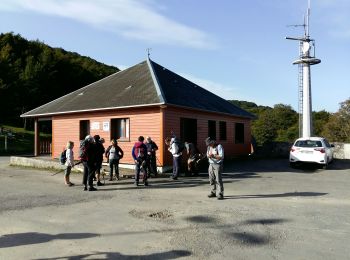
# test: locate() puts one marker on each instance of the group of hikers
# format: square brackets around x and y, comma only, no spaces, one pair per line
[92,153]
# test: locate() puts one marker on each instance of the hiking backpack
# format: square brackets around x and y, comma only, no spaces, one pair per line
[180,146]
[63,157]
[83,156]
[139,150]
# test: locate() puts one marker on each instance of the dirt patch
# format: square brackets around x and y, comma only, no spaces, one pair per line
[159,215]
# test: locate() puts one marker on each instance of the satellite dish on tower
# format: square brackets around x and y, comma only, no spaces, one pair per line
[306,48]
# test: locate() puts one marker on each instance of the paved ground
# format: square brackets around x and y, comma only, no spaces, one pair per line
[270,212]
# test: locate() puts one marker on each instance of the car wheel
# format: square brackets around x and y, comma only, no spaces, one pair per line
[292,164]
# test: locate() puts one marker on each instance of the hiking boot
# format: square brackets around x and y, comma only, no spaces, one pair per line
[146,183]
[136,183]
[92,189]
[220,197]
[173,178]
[212,195]
[99,183]
[85,188]
[110,178]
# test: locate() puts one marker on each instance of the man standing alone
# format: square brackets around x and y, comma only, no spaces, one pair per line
[215,154]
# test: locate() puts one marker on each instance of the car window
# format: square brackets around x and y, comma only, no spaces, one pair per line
[308,143]
[326,143]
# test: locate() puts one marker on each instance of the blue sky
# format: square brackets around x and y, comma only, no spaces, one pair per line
[234,48]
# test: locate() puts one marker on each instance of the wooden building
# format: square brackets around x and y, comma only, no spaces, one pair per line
[150,100]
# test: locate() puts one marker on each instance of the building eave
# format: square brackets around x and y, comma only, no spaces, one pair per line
[90,110]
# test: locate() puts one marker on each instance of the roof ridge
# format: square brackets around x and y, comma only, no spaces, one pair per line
[156,82]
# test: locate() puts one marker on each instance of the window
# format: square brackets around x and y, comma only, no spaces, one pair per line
[120,129]
[212,129]
[84,129]
[239,133]
[222,128]
[188,130]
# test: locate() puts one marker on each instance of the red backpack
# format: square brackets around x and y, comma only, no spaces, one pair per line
[140,151]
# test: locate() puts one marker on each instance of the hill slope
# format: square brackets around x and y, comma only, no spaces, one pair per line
[33,73]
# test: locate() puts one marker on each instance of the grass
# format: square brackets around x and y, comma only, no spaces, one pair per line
[22,141]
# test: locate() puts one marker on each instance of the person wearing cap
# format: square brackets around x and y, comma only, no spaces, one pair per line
[215,154]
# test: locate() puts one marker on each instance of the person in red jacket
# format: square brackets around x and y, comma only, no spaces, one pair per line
[139,153]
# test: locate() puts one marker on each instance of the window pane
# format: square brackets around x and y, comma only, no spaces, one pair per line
[222,126]
[120,128]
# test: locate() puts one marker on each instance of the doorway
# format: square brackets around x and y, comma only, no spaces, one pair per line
[188,130]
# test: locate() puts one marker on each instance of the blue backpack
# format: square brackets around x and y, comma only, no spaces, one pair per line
[63,157]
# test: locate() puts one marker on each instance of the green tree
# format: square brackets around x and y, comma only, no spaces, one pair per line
[338,127]
[32,74]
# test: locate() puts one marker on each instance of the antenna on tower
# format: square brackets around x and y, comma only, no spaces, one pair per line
[306,59]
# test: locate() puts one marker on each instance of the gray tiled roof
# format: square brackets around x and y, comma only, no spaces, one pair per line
[144,84]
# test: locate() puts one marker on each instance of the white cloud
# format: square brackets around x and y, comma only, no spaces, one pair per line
[133,19]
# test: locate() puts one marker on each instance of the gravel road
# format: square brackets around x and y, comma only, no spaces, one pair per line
[270,211]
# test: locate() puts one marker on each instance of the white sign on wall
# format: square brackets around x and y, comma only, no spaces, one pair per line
[105,126]
[95,126]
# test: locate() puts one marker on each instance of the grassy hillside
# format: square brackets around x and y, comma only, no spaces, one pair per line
[33,73]
[19,141]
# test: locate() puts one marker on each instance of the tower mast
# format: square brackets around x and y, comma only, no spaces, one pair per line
[306,59]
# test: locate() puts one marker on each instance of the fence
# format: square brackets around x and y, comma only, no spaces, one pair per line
[45,147]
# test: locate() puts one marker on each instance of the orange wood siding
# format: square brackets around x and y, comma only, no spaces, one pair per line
[172,122]
[155,122]
[145,121]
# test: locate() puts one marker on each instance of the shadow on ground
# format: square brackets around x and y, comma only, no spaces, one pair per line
[279,195]
[173,254]
[29,238]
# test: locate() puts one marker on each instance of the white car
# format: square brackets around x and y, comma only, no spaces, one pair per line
[311,150]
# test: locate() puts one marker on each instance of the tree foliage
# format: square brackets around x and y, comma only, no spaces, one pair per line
[32,74]
[337,128]
[281,124]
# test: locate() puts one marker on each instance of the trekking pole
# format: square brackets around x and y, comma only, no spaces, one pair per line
[64,169]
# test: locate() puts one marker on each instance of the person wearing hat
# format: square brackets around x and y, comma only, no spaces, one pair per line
[215,154]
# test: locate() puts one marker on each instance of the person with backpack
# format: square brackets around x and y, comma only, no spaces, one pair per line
[175,148]
[113,154]
[139,153]
[151,165]
[68,162]
[100,150]
[88,157]
[215,154]
[193,158]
